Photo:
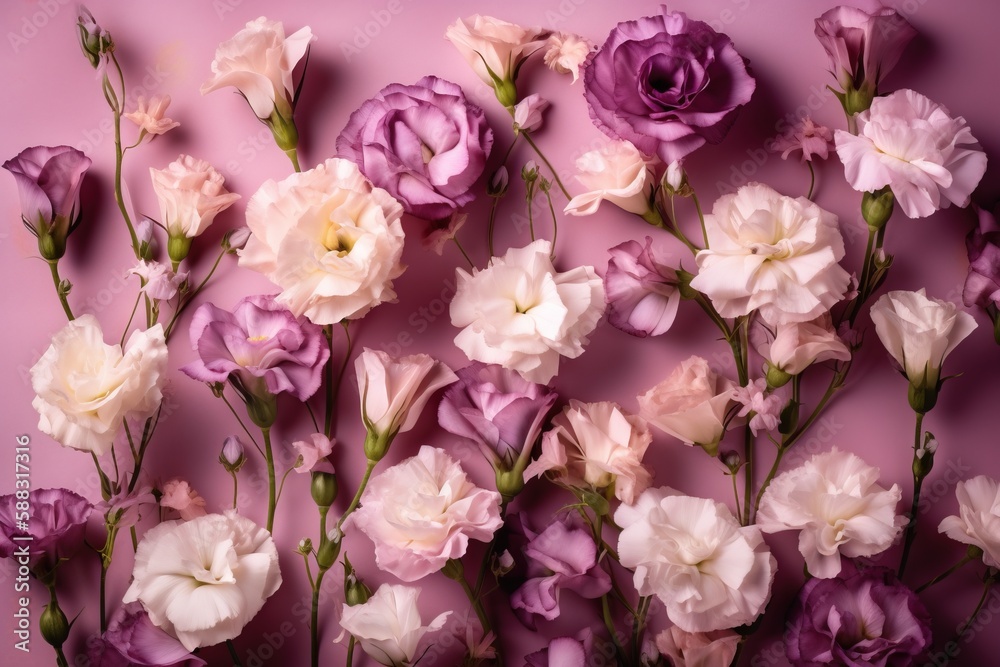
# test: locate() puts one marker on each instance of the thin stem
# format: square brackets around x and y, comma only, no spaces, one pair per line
[350,651]
[312,416]
[675,229]
[492,221]
[54,269]
[281,487]
[135,307]
[529,197]
[736,494]
[314,619]
[240,420]
[462,250]
[947,573]
[357,496]
[333,388]
[609,623]
[119,157]
[555,222]
[701,217]
[638,625]
[918,480]
[293,155]
[863,294]
[197,290]
[555,174]
[236,485]
[979,607]
[812,179]
[233,654]
[767,480]
[836,383]
[454,570]
[748,473]
[272,499]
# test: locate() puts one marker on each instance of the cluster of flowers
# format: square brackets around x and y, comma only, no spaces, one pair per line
[331,238]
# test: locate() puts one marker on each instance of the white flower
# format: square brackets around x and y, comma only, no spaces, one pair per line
[566,53]
[388,626]
[978,520]
[914,146]
[258,61]
[329,239]
[161,283]
[190,193]
[522,314]
[618,173]
[85,388]
[920,332]
[491,45]
[203,580]
[771,253]
[709,572]
[835,501]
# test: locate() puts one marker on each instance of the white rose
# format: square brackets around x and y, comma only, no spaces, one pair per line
[329,239]
[835,502]
[190,193]
[618,173]
[203,580]
[388,626]
[978,520]
[522,314]
[709,572]
[85,388]
[771,253]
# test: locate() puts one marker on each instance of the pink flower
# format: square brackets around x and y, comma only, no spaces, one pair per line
[691,404]
[978,520]
[161,283]
[568,652]
[178,495]
[793,347]
[617,172]
[439,232]
[312,450]
[914,146]
[806,136]
[493,48]
[566,53]
[132,639]
[528,112]
[982,285]
[388,626]
[149,117]
[423,512]
[596,445]
[698,649]
[863,47]
[641,290]
[766,407]
[190,193]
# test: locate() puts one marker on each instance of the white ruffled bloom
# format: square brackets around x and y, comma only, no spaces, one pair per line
[978,519]
[565,53]
[709,572]
[618,173]
[840,509]
[329,239]
[388,626]
[522,314]
[85,388]
[771,253]
[203,580]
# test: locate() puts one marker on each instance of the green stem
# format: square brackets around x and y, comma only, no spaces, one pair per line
[975,612]
[836,383]
[748,473]
[918,480]
[235,488]
[638,626]
[357,496]
[736,494]
[350,651]
[767,480]
[555,174]
[271,481]
[529,197]
[947,573]
[130,318]
[314,618]
[54,269]
[609,623]
[233,654]
[812,179]
[119,157]
[673,227]
[197,290]
[701,217]
[555,223]
[293,155]
[492,221]
[333,387]
[462,250]
[454,570]
[863,293]
[240,420]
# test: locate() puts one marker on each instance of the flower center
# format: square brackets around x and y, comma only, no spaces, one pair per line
[257,339]
[426,153]
[338,240]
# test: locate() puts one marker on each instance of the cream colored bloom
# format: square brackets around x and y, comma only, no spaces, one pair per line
[978,519]
[190,193]
[489,44]
[566,53]
[388,626]
[617,173]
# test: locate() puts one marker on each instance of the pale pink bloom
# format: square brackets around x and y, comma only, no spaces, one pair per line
[528,112]
[835,502]
[978,519]
[771,253]
[806,136]
[565,53]
[149,117]
[698,649]
[690,404]
[312,450]
[766,407]
[596,445]
[178,495]
[491,45]
[394,390]
[439,232]
[388,626]
[710,572]
[190,193]
[618,173]
[258,61]
[423,512]
[914,146]
[795,346]
[161,283]
[863,47]
[520,313]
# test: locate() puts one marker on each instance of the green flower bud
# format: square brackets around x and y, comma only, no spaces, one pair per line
[263,410]
[377,445]
[323,488]
[876,207]
[329,550]
[286,136]
[506,92]
[178,248]
[922,398]
[355,591]
[305,547]
[776,377]
[53,624]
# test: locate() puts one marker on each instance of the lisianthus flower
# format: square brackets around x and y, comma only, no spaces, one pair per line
[388,626]
[641,289]
[978,520]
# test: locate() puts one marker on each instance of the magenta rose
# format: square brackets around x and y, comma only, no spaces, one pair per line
[425,144]
[861,618]
[57,524]
[667,84]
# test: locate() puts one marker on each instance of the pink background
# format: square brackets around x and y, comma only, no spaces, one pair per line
[53,98]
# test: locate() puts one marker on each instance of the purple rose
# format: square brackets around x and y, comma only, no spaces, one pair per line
[57,523]
[861,618]
[566,652]
[132,640]
[498,410]
[863,47]
[641,290]
[48,185]
[982,286]
[424,144]
[667,84]
[261,346]
[561,557]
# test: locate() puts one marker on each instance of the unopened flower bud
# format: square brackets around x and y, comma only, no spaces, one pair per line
[146,238]
[53,624]
[96,43]
[731,459]
[529,172]
[236,239]
[503,563]
[776,377]
[305,547]
[923,457]
[233,454]
[674,182]
[355,591]
[323,488]
[876,207]
[329,550]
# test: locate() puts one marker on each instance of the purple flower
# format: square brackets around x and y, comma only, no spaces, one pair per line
[861,618]
[48,185]
[260,346]
[423,143]
[56,523]
[982,286]
[498,410]
[863,47]
[641,290]
[565,652]
[132,640]
[667,84]
[561,557]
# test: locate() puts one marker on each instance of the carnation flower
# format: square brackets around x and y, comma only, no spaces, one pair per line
[771,253]
[792,347]
[709,572]
[914,146]
[522,314]
[388,626]
[203,580]
[178,495]
[641,289]
[978,519]
[329,239]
